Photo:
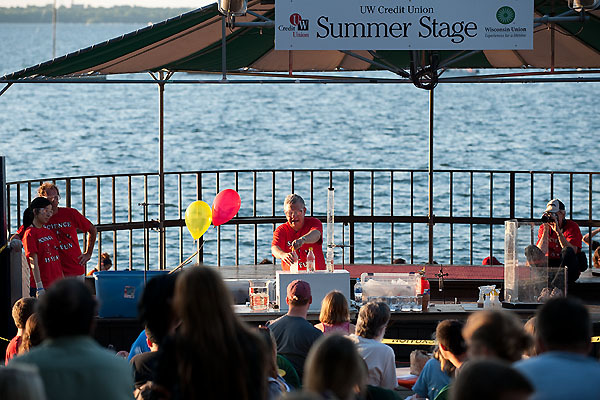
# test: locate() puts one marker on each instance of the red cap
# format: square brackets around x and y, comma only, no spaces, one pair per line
[298,290]
[492,261]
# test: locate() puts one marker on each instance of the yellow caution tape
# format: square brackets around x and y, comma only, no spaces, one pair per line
[3,247]
[4,339]
[425,342]
[417,342]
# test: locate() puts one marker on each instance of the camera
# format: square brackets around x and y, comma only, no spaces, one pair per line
[548,217]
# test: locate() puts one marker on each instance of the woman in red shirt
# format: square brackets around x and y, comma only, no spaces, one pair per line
[41,245]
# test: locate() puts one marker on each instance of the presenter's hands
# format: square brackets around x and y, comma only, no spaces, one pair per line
[290,258]
[40,292]
[296,244]
[84,258]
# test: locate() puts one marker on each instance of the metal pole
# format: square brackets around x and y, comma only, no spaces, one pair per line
[161,173]
[54,30]
[430,215]
[224,47]
[7,328]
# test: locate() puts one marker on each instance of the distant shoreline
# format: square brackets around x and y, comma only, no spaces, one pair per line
[88,15]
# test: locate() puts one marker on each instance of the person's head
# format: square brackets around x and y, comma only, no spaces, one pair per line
[498,334]
[298,294]
[105,262]
[491,380]
[39,209]
[448,335]
[22,309]
[154,307]
[50,191]
[295,210]
[490,261]
[596,258]
[21,382]
[334,308]
[563,324]
[33,334]
[67,309]
[535,257]
[530,328]
[334,367]
[151,339]
[556,207]
[372,320]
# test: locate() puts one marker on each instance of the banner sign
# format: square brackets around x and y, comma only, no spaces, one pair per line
[403,24]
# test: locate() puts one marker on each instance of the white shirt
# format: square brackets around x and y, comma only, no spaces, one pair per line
[380,361]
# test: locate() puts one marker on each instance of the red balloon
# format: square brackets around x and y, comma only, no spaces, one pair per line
[226,204]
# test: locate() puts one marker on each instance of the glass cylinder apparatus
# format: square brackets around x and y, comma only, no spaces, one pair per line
[259,295]
[330,218]
[579,5]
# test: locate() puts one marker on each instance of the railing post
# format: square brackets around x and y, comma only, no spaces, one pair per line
[6,324]
[351,214]
[512,196]
[161,175]
[430,215]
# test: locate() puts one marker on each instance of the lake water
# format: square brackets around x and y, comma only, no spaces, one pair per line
[68,130]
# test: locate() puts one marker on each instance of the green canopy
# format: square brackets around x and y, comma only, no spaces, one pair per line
[192,42]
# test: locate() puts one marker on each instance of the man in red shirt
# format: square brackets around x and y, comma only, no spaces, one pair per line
[292,240]
[65,222]
[560,239]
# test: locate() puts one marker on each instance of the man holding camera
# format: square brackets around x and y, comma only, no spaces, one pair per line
[560,240]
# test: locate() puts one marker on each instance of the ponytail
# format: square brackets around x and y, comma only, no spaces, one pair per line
[29,214]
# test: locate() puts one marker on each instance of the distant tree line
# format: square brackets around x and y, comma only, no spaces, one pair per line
[89,15]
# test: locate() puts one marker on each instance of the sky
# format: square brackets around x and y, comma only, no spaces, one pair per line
[109,3]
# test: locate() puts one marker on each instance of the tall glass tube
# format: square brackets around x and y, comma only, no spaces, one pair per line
[330,218]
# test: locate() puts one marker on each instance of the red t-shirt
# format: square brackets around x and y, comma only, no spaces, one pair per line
[12,348]
[41,241]
[65,224]
[284,235]
[570,231]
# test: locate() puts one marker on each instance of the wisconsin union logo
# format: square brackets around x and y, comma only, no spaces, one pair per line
[505,15]
[297,21]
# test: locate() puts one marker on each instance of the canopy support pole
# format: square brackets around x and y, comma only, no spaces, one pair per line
[430,215]
[161,172]
[5,88]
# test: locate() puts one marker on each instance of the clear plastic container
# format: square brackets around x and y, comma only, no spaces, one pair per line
[259,294]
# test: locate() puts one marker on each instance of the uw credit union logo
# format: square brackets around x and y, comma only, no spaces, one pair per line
[297,21]
[298,26]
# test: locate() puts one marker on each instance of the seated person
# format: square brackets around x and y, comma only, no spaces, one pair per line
[335,316]
[105,264]
[433,377]
[490,380]
[144,364]
[21,311]
[292,332]
[560,240]
[292,240]
[370,329]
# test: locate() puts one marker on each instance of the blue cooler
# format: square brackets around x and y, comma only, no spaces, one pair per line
[118,292]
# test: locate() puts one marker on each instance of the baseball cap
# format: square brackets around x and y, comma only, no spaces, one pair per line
[491,261]
[298,290]
[554,205]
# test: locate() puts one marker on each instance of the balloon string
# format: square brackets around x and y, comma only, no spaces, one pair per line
[187,260]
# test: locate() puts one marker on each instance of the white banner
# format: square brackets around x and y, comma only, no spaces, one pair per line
[403,24]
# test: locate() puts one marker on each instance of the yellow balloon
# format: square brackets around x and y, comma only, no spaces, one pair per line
[198,217]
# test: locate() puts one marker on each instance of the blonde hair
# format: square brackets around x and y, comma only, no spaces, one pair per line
[44,187]
[500,332]
[529,327]
[596,258]
[334,308]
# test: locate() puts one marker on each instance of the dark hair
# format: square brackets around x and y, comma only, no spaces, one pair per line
[22,309]
[564,324]
[218,356]
[154,307]
[371,317]
[488,379]
[33,334]
[67,309]
[448,333]
[29,213]
[334,366]
[265,334]
[105,260]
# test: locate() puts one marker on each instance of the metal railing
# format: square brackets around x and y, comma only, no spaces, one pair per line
[380,215]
